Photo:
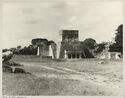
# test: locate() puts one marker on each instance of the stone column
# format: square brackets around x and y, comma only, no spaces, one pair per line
[80,56]
[71,56]
[38,51]
[109,55]
[75,55]
[65,55]
[58,49]
[117,56]
[51,51]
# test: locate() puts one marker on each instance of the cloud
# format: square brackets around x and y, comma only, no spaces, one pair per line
[24,21]
[73,18]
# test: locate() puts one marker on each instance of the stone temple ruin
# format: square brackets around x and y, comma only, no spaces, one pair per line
[68,48]
[46,49]
[105,54]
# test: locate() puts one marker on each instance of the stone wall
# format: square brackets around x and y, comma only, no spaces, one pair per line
[44,50]
[69,46]
[54,49]
[70,35]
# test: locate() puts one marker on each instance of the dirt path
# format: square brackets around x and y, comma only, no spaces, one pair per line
[113,85]
[54,69]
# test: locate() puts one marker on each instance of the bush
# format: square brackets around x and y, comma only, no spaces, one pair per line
[19,70]
[7,69]
[30,50]
[7,57]
[10,63]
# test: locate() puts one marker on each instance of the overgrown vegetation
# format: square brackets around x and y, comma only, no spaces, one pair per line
[118,45]
[89,45]
[100,47]
[30,50]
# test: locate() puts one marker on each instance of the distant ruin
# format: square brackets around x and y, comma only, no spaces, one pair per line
[105,54]
[69,47]
[45,48]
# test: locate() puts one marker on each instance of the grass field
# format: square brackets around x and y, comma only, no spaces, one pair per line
[73,77]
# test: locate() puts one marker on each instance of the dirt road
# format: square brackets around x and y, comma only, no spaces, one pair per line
[111,85]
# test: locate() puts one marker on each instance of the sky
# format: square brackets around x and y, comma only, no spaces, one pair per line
[24,21]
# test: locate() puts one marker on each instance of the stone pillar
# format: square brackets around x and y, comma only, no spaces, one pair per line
[109,55]
[38,51]
[51,52]
[58,49]
[84,54]
[75,55]
[117,56]
[71,56]
[65,55]
[80,56]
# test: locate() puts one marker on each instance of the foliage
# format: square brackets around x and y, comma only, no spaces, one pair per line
[118,45]
[10,63]
[100,47]
[12,49]
[4,50]
[30,50]
[115,48]
[19,47]
[39,41]
[90,43]
[88,53]
[51,42]
[6,58]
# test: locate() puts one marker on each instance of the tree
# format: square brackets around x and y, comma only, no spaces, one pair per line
[118,45]
[100,47]
[39,41]
[30,50]
[19,47]
[53,46]
[4,50]
[13,49]
[119,36]
[90,43]
[88,46]
[7,56]
[51,42]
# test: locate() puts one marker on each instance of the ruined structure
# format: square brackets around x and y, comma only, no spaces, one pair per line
[70,46]
[45,48]
[105,54]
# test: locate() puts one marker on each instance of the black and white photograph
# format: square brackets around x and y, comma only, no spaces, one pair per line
[62,48]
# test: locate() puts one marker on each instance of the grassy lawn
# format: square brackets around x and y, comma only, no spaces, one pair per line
[20,84]
[111,68]
[24,84]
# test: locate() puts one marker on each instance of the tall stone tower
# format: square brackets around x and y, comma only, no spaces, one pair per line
[70,35]
[68,38]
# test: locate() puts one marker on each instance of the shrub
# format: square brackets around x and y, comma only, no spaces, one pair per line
[19,70]
[7,69]
[13,63]
[7,57]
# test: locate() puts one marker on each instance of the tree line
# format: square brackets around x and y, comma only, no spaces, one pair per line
[89,45]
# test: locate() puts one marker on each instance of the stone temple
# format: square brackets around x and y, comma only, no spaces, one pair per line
[70,46]
[45,48]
